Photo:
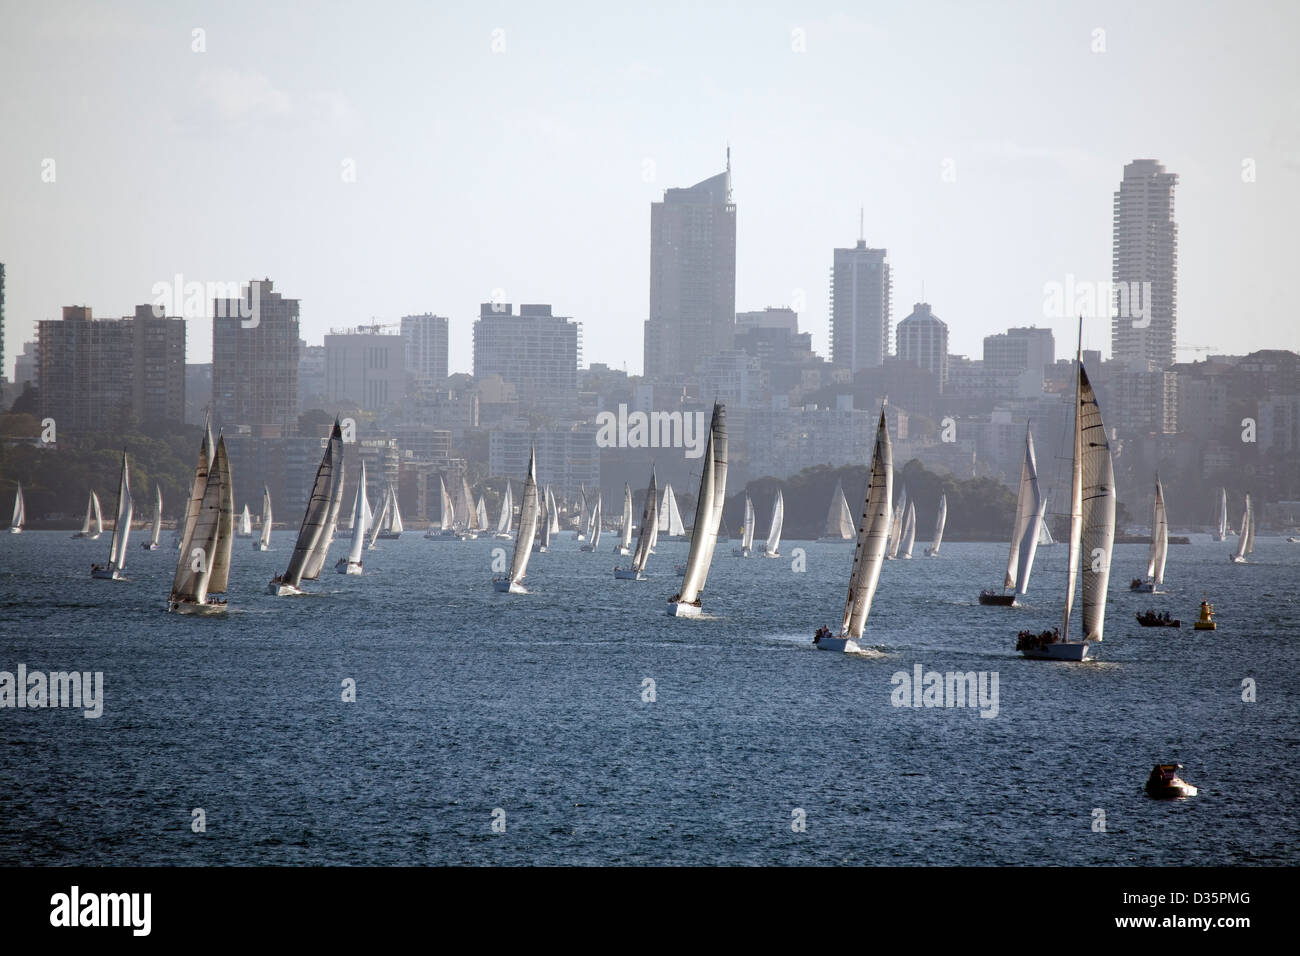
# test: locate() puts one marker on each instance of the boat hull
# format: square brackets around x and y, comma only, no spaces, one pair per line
[628,574]
[258,546]
[106,574]
[280,589]
[1060,651]
[89,537]
[344,566]
[997,600]
[506,586]
[388,536]
[1145,587]
[148,546]
[681,609]
[620,550]
[845,645]
[1236,559]
[208,608]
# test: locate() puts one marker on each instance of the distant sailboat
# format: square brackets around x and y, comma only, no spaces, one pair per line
[771,547]
[552,512]
[624,545]
[20,512]
[545,519]
[839,519]
[447,515]
[1159,546]
[1246,535]
[245,524]
[1221,534]
[670,519]
[909,532]
[93,525]
[481,515]
[708,516]
[201,542]
[528,515]
[646,538]
[593,530]
[747,530]
[375,523]
[320,554]
[896,525]
[869,556]
[156,532]
[1092,530]
[263,542]
[329,475]
[352,564]
[933,550]
[584,515]
[121,531]
[390,525]
[465,514]
[1030,506]
[507,516]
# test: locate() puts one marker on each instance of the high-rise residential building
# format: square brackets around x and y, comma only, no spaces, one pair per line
[424,339]
[255,361]
[922,339]
[692,277]
[567,458]
[860,305]
[534,351]
[311,376]
[2,322]
[27,367]
[1020,350]
[111,373]
[1144,266]
[365,366]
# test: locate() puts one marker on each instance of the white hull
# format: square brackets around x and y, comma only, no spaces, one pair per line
[504,537]
[627,574]
[149,546]
[89,536]
[931,554]
[106,574]
[845,644]
[741,552]
[344,566]
[258,546]
[619,549]
[1145,588]
[1237,559]
[506,586]
[678,609]
[206,609]
[283,590]
[15,530]
[1060,651]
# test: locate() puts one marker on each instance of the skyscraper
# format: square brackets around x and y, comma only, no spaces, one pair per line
[534,351]
[2,322]
[860,305]
[692,277]
[255,362]
[365,366]
[923,341]
[1145,250]
[425,340]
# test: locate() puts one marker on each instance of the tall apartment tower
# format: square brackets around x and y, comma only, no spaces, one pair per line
[255,361]
[2,323]
[692,277]
[424,339]
[365,366]
[922,338]
[1145,250]
[860,304]
[534,351]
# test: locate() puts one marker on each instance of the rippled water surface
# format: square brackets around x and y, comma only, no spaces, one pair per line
[469,701]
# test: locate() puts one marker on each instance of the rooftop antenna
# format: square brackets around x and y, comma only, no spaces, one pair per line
[728,172]
[862,224]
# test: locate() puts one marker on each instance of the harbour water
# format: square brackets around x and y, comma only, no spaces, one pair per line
[600,731]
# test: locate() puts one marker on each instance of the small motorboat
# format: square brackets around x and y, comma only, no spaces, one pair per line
[1165,784]
[998,599]
[1206,621]
[1152,619]
[1049,646]
[1137,584]
[1293,540]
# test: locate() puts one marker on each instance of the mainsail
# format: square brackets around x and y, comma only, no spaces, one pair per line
[1246,532]
[774,528]
[1223,513]
[507,516]
[377,524]
[360,518]
[122,523]
[593,533]
[896,524]
[552,515]
[395,526]
[1030,506]
[670,519]
[747,529]
[839,519]
[625,541]
[20,511]
[220,578]
[708,511]
[1159,537]
[320,553]
[872,533]
[480,514]
[266,517]
[649,533]
[1092,512]
[314,520]
[157,517]
[909,531]
[448,517]
[246,524]
[528,514]
[939,522]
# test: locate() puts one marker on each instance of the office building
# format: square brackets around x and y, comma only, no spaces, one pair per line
[255,361]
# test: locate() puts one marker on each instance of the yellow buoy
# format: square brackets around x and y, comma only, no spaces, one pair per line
[1206,621]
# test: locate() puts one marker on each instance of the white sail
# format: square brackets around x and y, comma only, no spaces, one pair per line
[266,517]
[873,531]
[246,524]
[395,525]
[156,533]
[529,511]
[185,582]
[896,524]
[20,511]
[90,516]
[909,531]
[481,515]
[1092,512]
[122,521]
[220,577]
[1223,513]
[584,512]
[1044,536]
[747,529]
[552,514]
[1030,506]
[465,506]
[593,534]
[202,539]
[376,524]
[839,519]
[448,516]
[1159,537]
[670,517]
[708,510]
[320,553]
[545,504]
[939,522]
[319,504]
[506,519]
[360,517]
[1250,542]
[649,532]
[1245,533]
[625,541]
[772,546]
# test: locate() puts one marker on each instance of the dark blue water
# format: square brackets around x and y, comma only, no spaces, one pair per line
[469,701]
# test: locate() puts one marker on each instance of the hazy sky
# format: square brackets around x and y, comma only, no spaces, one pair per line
[531,168]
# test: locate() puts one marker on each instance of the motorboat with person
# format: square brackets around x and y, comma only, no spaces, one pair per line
[1165,784]
[1150,618]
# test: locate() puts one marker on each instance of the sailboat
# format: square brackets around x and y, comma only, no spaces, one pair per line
[1092,530]
[121,531]
[375,523]
[466,518]
[390,525]
[545,519]
[447,514]
[156,532]
[1159,546]
[771,547]
[263,542]
[245,524]
[670,519]
[584,516]
[646,537]
[352,564]
[324,492]
[1246,535]
[202,544]
[932,551]
[593,530]
[507,516]
[869,556]
[1030,506]
[896,525]
[552,511]
[93,526]
[481,515]
[1221,533]
[708,516]
[747,530]
[909,532]
[528,514]
[839,519]
[20,512]
[320,553]
[624,545]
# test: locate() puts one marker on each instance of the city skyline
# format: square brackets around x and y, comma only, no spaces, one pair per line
[279,158]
